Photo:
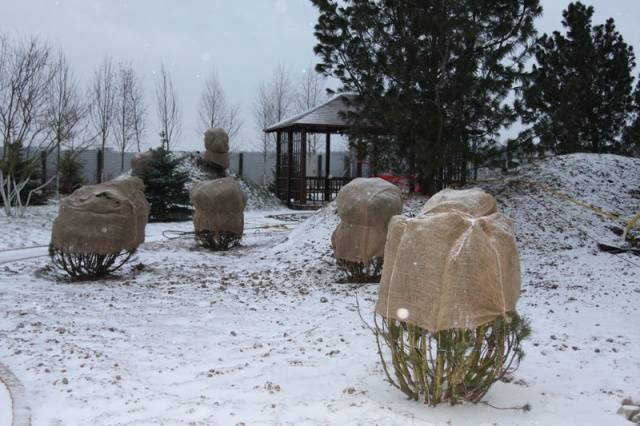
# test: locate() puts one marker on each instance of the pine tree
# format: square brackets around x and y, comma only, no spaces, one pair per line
[70,171]
[577,96]
[21,167]
[631,141]
[165,187]
[434,75]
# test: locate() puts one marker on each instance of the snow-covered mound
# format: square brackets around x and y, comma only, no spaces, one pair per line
[259,197]
[313,236]
[547,220]
[603,180]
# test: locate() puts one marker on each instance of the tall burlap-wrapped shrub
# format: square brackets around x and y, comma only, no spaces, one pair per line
[365,206]
[99,227]
[216,154]
[447,299]
[140,163]
[219,213]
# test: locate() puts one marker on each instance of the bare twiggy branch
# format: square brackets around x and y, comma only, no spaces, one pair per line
[273,103]
[65,113]
[168,110]
[214,109]
[103,107]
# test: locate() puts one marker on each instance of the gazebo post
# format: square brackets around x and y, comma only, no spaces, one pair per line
[303,167]
[278,166]
[289,164]
[291,155]
[327,168]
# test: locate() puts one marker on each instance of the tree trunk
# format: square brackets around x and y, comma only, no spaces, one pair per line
[58,169]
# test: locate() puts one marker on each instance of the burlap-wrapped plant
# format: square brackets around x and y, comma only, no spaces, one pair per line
[216,154]
[365,206]
[140,163]
[447,298]
[219,212]
[99,227]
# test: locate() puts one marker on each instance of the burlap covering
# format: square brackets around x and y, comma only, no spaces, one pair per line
[220,159]
[219,206]
[474,202]
[216,143]
[365,206]
[102,219]
[140,163]
[451,267]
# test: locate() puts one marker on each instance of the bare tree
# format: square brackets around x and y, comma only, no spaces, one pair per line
[124,122]
[273,103]
[282,93]
[65,110]
[4,61]
[24,78]
[168,109]
[25,75]
[138,112]
[211,110]
[263,112]
[103,107]
[311,91]
[214,109]
[234,120]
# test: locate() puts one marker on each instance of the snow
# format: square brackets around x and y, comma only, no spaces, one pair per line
[33,229]
[6,413]
[258,197]
[246,337]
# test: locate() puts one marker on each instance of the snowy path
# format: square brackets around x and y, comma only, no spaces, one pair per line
[15,255]
[14,407]
[6,410]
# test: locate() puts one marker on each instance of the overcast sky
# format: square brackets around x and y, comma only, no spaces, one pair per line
[244,40]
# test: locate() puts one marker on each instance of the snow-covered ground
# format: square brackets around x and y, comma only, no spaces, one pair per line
[6,414]
[266,334]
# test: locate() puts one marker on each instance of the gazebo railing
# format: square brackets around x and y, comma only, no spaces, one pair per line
[311,190]
[320,189]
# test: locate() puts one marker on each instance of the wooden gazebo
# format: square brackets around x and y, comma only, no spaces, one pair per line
[293,184]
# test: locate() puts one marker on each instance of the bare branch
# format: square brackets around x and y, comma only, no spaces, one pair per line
[65,112]
[311,92]
[124,119]
[273,103]
[103,106]
[214,109]
[168,110]
[138,112]
[25,74]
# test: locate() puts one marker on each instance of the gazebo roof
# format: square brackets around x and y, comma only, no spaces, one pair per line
[323,118]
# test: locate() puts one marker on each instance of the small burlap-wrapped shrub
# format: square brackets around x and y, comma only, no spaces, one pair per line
[365,206]
[141,163]
[219,213]
[99,227]
[216,154]
[447,298]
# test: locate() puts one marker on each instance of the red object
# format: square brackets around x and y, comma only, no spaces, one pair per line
[402,182]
